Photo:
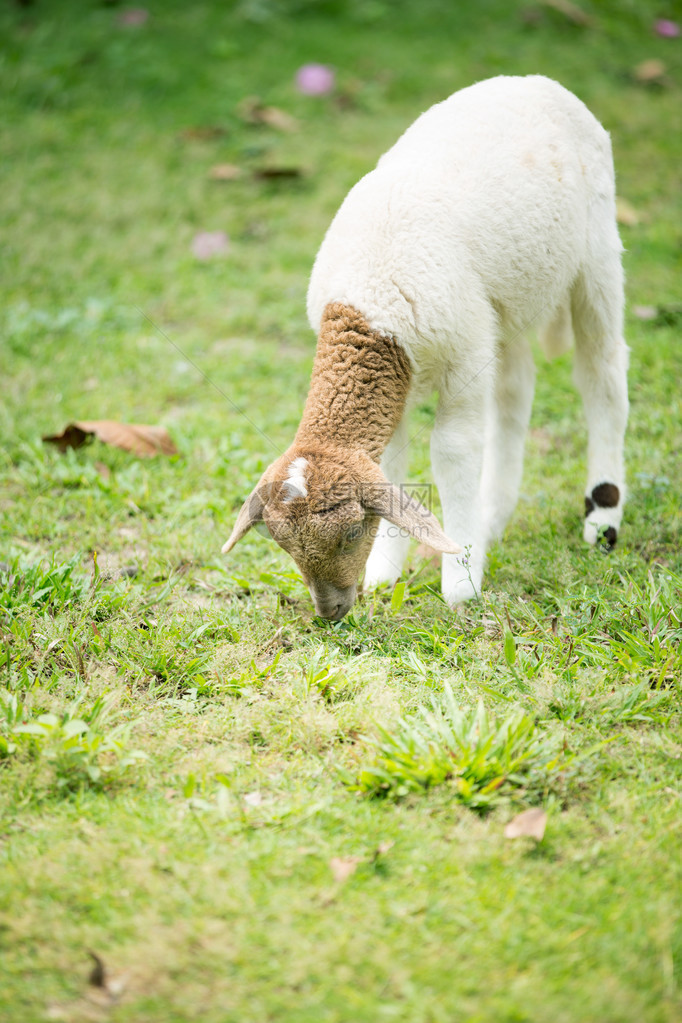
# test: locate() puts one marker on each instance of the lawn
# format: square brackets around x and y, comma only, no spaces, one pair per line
[214,805]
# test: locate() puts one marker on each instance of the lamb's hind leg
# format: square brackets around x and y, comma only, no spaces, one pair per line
[506,434]
[601,360]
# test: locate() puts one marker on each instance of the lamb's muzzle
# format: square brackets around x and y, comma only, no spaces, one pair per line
[493,214]
[331,602]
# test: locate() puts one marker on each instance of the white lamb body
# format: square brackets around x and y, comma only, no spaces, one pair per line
[493,214]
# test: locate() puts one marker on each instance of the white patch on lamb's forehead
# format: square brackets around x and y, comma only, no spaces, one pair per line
[294,484]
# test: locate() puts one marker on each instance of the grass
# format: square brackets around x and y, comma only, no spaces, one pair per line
[184,748]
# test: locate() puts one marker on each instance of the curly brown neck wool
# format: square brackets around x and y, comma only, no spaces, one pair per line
[359,385]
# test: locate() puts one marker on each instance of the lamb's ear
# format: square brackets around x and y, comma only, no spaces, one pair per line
[250,513]
[399,507]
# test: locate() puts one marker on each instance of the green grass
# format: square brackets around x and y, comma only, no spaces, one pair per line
[184,748]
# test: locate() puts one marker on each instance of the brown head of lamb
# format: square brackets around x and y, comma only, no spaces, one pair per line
[322,500]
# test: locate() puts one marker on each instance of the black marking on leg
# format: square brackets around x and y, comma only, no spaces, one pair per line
[606,495]
[589,506]
[608,538]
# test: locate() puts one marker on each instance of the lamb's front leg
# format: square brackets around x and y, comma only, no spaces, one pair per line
[457,444]
[506,434]
[387,557]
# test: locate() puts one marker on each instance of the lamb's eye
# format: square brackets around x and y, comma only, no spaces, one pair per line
[353,534]
[331,508]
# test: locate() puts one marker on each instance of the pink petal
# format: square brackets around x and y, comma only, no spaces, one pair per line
[314,79]
[667,28]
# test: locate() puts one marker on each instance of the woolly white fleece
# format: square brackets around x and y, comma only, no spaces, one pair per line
[485,207]
[493,213]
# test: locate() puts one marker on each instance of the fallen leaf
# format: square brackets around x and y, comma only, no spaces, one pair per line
[279,119]
[343,866]
[203,133]
[225,172]
[576,15]
[645,312]
[98,974]
[650,71]
[108,987]
[276,173]
[315,79]
[207,244]
[138,438]
[253,111]
[530,823]
[626,213]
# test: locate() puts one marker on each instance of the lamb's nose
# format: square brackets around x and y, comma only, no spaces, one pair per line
[332,612]
[332,602]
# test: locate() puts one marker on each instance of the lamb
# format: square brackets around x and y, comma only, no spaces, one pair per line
[493,214]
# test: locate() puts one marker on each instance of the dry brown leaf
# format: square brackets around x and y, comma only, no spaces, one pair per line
[279,119]
[225,172]
[108,987]
[650,71]
[530,823]
[203,133]
[343,866]
[253,111]
[98,974]
[277,173]
[138,438]
[570,11]
[626,213]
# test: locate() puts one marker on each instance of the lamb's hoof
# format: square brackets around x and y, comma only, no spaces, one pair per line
[600,534]
[608,538]
[602,516]
[459,593]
